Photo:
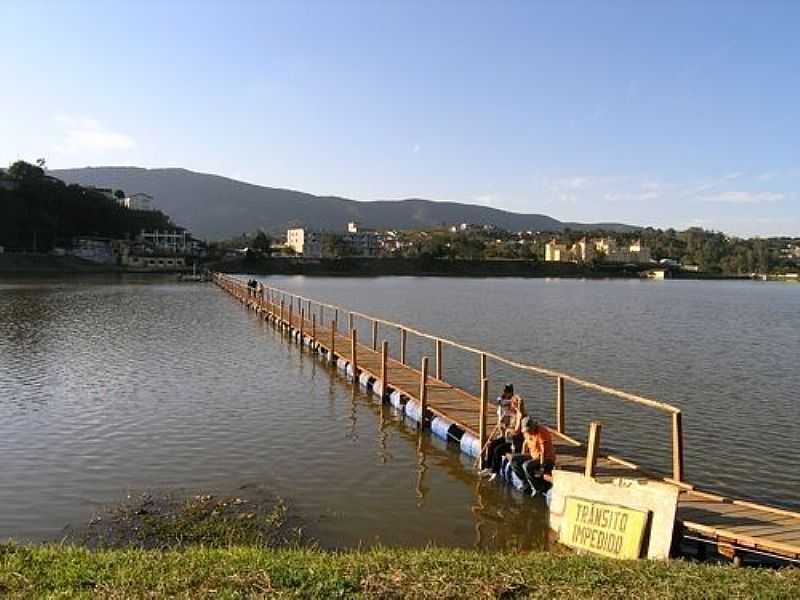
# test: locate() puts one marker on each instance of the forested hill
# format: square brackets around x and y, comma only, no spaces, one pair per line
[38,211]
[217,207]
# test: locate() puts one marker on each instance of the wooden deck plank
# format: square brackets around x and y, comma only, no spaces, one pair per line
[762,530]
[791,536]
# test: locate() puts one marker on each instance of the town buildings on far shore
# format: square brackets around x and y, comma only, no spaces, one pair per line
[156,250]
[314,243]
[603,249]
[304,241]
[164,250]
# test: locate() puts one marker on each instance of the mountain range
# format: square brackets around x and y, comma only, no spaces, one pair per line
[216,207]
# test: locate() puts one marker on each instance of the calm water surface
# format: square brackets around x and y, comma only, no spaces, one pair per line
[110,387]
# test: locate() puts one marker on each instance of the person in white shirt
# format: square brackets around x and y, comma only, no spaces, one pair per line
[510,439]
[504,411]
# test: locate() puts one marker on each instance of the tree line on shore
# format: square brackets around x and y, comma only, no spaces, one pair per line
[710,251]
[39,212]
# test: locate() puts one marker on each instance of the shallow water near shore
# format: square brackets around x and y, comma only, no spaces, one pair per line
[110,386]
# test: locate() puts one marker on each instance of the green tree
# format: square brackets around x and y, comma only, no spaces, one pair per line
[262,243]
[26,172]
[43,212]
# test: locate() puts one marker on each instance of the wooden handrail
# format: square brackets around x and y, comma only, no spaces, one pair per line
[560,377]
[603,389]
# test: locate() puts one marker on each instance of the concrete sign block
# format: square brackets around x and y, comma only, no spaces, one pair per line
[659,500]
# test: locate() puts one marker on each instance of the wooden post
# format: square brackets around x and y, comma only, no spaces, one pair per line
[403,337]
[353,350]
[350,321]
[482,420]
[333,340]
[439,359]
[384,366]
[560,414]
[291,324]
[314,327]
[321,314]
[423,392]
[677,446]
[592,448]
[375,335]
[484,375]
[281,323]
[302,323]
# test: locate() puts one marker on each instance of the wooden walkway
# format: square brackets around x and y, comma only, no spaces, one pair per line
[733,526]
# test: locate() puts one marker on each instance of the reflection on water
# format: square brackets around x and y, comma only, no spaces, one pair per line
[118,386]
[724,352]
[111,388]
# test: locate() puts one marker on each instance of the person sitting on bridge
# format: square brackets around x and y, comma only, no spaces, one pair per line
[509,440]
[504,415]
[504,412]
[538,456]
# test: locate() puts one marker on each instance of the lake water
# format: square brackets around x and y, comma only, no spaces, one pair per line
[115,386]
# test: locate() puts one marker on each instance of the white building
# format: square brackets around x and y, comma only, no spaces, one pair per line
[138,202]
[356,242]
[603,249]
[306,242]
[176,241]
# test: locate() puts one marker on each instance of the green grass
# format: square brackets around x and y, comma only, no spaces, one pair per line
[235,572]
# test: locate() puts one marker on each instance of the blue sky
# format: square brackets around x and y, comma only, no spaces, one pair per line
[661,113]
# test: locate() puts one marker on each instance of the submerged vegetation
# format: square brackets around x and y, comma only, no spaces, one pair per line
[161,521]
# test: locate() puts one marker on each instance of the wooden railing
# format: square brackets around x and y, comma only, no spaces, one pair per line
[289,302]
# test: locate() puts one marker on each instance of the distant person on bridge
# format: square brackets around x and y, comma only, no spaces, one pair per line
[509,440]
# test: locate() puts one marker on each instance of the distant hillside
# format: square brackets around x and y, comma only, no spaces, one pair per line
[216,207]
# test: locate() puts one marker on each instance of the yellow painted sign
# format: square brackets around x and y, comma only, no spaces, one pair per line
[605,529]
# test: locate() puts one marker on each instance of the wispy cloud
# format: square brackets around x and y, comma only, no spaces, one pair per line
[744,198]
[647,192]
[82,134]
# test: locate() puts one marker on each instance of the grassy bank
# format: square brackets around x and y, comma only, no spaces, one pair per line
[197,572]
